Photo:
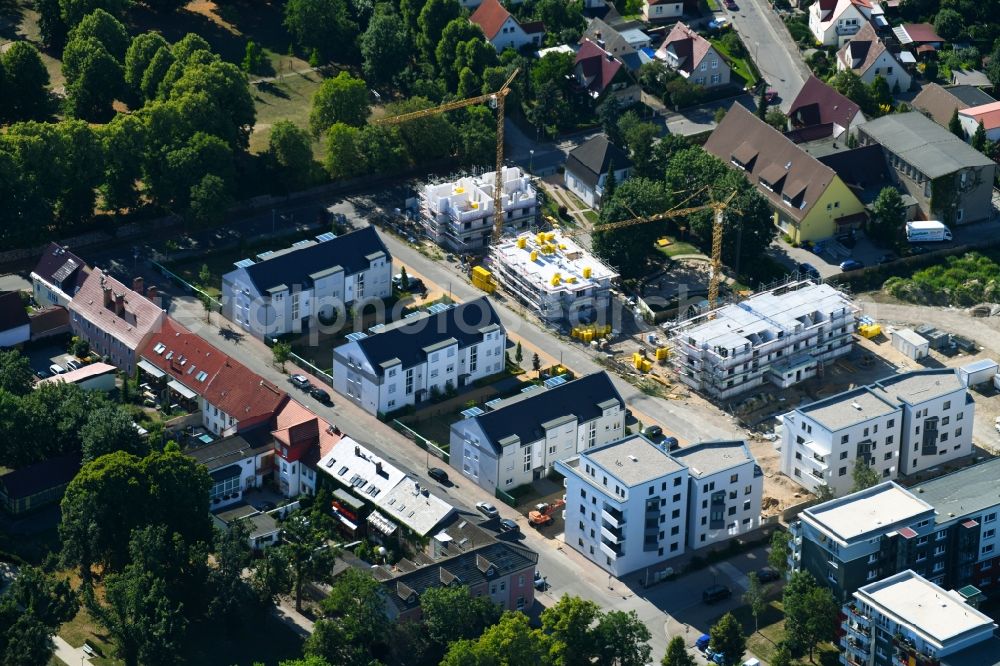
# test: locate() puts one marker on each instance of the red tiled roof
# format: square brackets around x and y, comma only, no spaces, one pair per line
[922,32]
[139,317]
[689,46]
[490,16]
[296,423]
[243,394]
[597,65]
[184,356]
[987,114]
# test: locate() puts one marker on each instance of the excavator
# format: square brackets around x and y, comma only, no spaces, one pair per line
[542,514]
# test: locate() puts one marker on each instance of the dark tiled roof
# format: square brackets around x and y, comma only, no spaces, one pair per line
[599,67]
[591,159]
[970,95]
[61,267]
[860,168]
[33,479]
[608,38]
[407,342]
[349,251]
[818,103]
[48,319]
[470,569]
[12,312]
[524,417]
[227,451]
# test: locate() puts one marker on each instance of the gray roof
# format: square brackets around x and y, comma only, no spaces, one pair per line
[970,95]
[710,457]
[932,149]
[224,452]
[632,461]
[919,385]
[848,408]
[962,493]
[525,417]
[591,159]
[608,38]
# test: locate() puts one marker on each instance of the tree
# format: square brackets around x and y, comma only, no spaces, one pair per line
[93,79]
[609,113]
[979,138]
[810,612]
[777,555]
[850,85]
[518,353]
[955,125]
[782,656]
[342,99]
[881,95]
[451,614]
[404,279]
[536,363]
[424,138]
[384,46]
[343,152]
[291,150]
[570,623]
[310,557]
[754,597]
[762,102]
[777,119]
[51,25]
[15,372]
[138,58]
[123,142]
[271,575]
[27,82]
[254,61]
[510,642]
[106,29]
[611,182]
[949,24]
[823,492]
[434,16]
[111,429]
[457,31]
[888,215]
[51,602]
[640,137]
[323,26]
[281,352]
[232,108]
[622,638]
[864,475]
[209,200]
[381,149]
[677,654]
[727,638]
[627,249]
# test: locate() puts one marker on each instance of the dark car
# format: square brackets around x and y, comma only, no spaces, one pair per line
[300,382]
[653,432]
[771,96]
[767,575]
[540,582]
[438,474]
[887,258]
[809,270]
[715,593]
[731,5]
[851,265]
[320,395]
[508,525]
[671,443]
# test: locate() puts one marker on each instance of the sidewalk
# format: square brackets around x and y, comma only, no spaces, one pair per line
[68,654]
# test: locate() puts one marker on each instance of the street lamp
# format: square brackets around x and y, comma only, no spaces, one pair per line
[531,161]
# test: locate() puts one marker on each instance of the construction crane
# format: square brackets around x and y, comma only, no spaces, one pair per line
[717,208]
[497,99]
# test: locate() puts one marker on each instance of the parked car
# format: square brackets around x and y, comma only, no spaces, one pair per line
[851,265]
[702,642]
[56,369]
[487,509]
[320,395]
[716,657]
[438,474]
[300,382]
[653,432]
[671,443]
[73,364]
[887,258]
[715,593]
[720,23]
[731,5]
[809,270]
[767,574]
[508,525]
[540,582]
[42,374]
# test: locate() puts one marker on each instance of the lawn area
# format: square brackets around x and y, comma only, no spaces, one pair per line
[592,216]
[713,5]
[289,98]
[741,66]
[677,247]
[763,643]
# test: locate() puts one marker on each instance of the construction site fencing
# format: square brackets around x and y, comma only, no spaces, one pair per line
[421,441]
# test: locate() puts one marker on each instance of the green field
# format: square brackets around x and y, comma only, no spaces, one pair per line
[289,98]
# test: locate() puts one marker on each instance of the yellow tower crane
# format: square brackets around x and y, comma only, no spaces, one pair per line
[497,99]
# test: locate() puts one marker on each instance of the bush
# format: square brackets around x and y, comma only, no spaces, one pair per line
[960,280]
[79,347]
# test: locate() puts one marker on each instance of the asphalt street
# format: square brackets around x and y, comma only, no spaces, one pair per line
[771,48]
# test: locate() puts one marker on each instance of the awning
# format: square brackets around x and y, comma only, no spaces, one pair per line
[151,369]
[381,523]
[183,390]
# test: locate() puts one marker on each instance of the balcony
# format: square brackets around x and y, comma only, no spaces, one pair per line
[847,29]
[613,517]
[611,535]
[614,552]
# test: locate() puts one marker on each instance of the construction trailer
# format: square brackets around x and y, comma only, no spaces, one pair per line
[910,344]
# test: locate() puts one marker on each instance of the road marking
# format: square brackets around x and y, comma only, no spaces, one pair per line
[734,574]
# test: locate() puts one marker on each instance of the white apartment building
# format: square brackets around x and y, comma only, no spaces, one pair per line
[725,488]
[626,505]
[906,619]
[518,440]
[781,336]
[459,215]
[424,354]
[554,276]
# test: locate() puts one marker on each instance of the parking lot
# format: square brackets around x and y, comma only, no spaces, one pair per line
[42,358]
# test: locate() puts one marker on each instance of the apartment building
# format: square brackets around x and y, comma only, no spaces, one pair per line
[906,619]
[781,337]
[424,354]
[554,276]
[287,291]
[459,215]
[518,440]
[725,487]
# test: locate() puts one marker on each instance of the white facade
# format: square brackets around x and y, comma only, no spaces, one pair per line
[725,489]
[971,117]
[845,20]
[626,505]
[554,276]
[885,65]
[15,336]
[661,10]
[910,344]
[781,336]
[512,36]
[592,196]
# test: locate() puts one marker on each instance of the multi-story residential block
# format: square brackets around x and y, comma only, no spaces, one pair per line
[287,291]
[115,320]
[834,22]
[459,215]
[925,158]
[554,276]
[906,619]
[408,361]
[520,439]
[781,336]
[57,276]
[626,505]
[725,487]
[235,464]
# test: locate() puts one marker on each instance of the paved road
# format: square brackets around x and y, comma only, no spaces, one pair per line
[771,48]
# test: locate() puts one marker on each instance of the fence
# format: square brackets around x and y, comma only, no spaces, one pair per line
[421,441]
[214,303]
[506,498]
[322,374]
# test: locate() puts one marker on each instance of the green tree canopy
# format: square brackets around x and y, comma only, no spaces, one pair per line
[323,26]
[863,474]
[93,79]
[15,372]
[310,557]
[434,16]
[955,125]
[677,654]
[949,24]
[74,11]
[26,82]
[727,638]
[291,150]
[622,638]
[384,46]
[110,429]
[209,200]
[451,613]
[344,158]
[510,642]
[810,612]
[888,215]
[777,555]
[627,249]
[106,29]
[570,623]
[342,99]
[124,143]
[138,58]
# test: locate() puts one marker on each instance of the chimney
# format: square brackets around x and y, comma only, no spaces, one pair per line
[378,468]
[107,296]
[151,293]
[137,285]
[357,451]
[119,303]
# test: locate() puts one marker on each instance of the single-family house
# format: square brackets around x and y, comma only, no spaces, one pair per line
[599,74]
[15,326]
[38,485]
[920,152]
[408,361]
[588,167]
[694,57]
[987,115]
[300,439]
[939,103]
[519,439]
[819,111]
[834,22]
[57,276]
[115,320]
[288,291]
[809,200]
[630,45]
[236,464]
[655,11]
[867,56]
[504,31]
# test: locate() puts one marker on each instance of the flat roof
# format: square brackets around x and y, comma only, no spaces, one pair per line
[80,374]
[710,457]
[559,257]
[872,510]
[929,610]
[848,408]
[910,336]
[962,493]
[919,385]
[633,460]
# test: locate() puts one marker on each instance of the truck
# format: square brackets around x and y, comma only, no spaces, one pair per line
[927,231]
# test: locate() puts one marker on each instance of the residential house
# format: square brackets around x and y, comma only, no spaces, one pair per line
[920,152]
[599,74]
[970,77]
[907,619]
[630,45]
[588,166]
[865,172]
[867,56]
[518,440]
[418,357]
[39,485]
[286,291]
[725,488]
[656,11]
[922,36]
[504,31]
[694,57]
[15,325]
[834,22]
[819,111]
[809,200]
[235,464]
[115,320]
[262,528]
[57,276]
[503,572]
[939,103]
[781,337]
[300,439]
[987,115]
[91,377]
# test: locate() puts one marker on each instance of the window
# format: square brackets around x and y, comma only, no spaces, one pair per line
[988,534]
[843,455]
[748,490]
[677,481]
[746,505]
[987,549]
[990,518]
[947,403]
[676,513]
[887,456]
[958,431]
[842,471]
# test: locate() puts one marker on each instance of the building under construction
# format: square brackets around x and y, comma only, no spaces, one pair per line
[782,336]
[459,215]
[553,276]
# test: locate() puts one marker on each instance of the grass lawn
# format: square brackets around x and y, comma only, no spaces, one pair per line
[741,66]
[713,5]
[289,98]
[592,216]
[678,247]
[763,643]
